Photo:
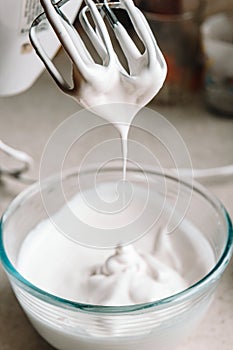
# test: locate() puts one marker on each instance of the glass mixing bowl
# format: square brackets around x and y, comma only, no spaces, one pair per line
[69,325]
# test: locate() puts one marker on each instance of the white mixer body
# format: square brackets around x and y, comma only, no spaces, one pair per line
[19,65]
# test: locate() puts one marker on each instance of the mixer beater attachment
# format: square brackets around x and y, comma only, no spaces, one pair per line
[96,18]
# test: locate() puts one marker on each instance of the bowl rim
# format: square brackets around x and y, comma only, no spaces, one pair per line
[179,297]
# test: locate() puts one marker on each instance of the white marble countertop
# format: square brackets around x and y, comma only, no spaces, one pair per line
[27,121]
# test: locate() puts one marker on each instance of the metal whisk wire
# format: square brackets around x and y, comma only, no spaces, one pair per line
[85,69]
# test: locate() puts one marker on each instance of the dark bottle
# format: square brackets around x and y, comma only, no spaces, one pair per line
[161,6]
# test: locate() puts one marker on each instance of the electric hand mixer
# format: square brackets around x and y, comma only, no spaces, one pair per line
[146,71]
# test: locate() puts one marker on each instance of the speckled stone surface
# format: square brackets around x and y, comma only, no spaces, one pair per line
[27,121]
